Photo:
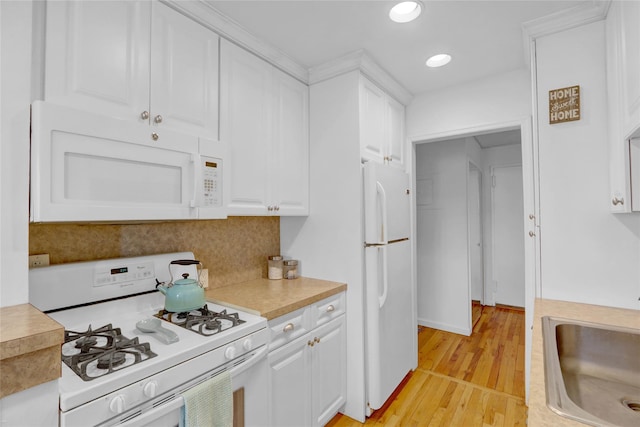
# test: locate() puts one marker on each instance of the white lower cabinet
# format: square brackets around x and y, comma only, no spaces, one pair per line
[307,376]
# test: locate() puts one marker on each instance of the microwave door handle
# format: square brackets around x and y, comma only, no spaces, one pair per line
[197,180]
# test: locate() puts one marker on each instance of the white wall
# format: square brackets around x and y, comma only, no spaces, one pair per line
[15,80]
[329,242]
[587,254]
[499,99]
[442,239]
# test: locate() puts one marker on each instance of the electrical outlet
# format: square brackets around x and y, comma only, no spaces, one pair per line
[36,261]
[204,278]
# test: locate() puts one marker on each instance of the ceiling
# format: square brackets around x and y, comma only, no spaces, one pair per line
[484,37]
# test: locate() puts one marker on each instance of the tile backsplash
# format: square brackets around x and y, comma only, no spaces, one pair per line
[234,250]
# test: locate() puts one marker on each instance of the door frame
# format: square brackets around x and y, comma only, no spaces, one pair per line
[483,297]
[531,201]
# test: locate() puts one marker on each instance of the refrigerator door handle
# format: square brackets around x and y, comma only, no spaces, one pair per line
[383,202]
[385,277]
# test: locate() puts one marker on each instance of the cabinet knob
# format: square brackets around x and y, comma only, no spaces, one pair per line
[316,340]
[158,119]
[617,201]
[144,115]
[276,208]
[155,136]
[270,208]
[310,343]
[532,234]
[330,308]
[532,217]
[288,327]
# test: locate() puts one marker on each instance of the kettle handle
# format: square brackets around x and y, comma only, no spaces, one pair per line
[186,262]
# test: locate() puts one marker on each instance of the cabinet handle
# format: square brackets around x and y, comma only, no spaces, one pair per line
[288,327]
[310,343]
[532,234]
[330,308]
[155,136]
[158,119]
[532,217]
[144,115]
[276,208]
[617,201]
[316,340]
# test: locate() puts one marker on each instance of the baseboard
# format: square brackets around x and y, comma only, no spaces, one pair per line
[444,327]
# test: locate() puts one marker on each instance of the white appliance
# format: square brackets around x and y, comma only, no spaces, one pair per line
[148,392]
[88,167]
[390,329]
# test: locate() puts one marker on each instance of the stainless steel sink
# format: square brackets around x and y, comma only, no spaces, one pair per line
[592,372]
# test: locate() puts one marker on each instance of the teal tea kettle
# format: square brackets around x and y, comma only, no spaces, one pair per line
[185,294]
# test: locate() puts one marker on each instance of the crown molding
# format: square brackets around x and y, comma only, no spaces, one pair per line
[586,13]
[205,14]
[361,61]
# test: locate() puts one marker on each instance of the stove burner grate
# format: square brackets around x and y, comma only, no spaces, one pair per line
[202,320]
[94,353]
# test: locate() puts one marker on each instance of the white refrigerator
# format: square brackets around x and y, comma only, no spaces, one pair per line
[391,332]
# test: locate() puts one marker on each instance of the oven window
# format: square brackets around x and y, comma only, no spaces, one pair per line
[238,408]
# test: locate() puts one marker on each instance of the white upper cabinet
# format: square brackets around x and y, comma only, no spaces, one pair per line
[264,115]
[134,60]
[381,126]
[623,86]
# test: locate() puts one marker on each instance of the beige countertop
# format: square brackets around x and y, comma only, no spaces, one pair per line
[539,414]
[274,298]
[29,348]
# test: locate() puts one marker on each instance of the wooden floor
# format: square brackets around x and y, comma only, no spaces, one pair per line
[461,381]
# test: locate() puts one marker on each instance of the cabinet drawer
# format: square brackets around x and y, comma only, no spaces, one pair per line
[329,308]
[286,328]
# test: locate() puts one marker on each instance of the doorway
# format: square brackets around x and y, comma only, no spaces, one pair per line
[469,227]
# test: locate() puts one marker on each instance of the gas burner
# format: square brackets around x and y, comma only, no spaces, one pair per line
[202,320]
[94,353]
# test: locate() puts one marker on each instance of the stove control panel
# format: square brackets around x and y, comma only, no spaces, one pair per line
[118,274]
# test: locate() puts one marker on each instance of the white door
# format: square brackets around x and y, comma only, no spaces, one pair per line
[391,331]
[184,74]
[476,271]
[97,57]
[245,124]
[508,236]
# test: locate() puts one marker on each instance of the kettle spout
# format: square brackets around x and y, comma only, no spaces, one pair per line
[161,287]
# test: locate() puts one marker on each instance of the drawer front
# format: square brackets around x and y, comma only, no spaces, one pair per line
[286,328]
[329,308]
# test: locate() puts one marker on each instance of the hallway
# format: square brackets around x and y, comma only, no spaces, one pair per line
[461,381]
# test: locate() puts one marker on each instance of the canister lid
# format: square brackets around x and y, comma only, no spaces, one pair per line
[291,262]
[275,258]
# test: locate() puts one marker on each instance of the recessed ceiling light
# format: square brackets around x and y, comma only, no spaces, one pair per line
[438,60]
[405,11]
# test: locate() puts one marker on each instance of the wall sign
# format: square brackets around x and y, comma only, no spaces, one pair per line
[564,104]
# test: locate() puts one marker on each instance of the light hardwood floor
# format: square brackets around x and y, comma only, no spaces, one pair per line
[461,381]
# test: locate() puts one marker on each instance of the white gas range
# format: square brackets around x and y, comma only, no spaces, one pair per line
[114,374]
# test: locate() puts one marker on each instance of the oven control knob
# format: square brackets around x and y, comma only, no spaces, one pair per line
[230,352]
[247,345]
[117,404]
[150,389]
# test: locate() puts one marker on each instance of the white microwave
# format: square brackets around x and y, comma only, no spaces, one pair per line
[91,168]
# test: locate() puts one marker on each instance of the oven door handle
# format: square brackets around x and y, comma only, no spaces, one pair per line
[247,364]
[156,413]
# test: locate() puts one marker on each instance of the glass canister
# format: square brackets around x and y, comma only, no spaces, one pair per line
[290,269]
[275,267]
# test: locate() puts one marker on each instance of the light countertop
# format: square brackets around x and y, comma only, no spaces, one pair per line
[29,348]
[539,414]
[274,298]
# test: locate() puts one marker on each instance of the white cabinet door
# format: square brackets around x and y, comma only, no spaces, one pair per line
[289,397]
[264,117]
[630,65]
[245,101]
[133,60]
[395,132]
[290,188]
[184,74]
[97,56]
[381,126]
[372,122]
[329,363]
